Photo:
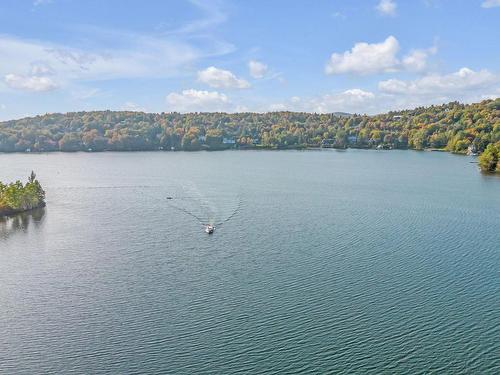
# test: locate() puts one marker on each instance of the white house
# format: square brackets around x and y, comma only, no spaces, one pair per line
[228,141]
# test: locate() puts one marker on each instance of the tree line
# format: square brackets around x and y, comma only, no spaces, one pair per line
[453,127]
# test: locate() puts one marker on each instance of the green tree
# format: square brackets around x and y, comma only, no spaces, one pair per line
[15,197]
[489,159]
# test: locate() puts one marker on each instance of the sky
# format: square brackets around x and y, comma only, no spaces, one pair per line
[366,56]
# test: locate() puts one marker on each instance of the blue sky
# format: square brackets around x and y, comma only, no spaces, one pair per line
[366,56]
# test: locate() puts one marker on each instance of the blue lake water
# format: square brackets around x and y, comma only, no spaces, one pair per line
[321,262]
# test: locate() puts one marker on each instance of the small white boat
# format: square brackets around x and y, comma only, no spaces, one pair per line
[209,228]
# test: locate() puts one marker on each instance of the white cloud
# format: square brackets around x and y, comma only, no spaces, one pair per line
[456,83]
[257,69]
[464,85]
[41,69]
[134,107]
[220,78]
[41,2]
[352,100]
[127,56]
[74,64]
[277,107]
[198,101]
[84,93]
[213,15]
[30,82]
[365,58]
[490,3]
[241,108]
[416,60]
[387,7]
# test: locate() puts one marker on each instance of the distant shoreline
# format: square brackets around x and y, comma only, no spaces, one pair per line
[452,127]
[237,148]
[262,148]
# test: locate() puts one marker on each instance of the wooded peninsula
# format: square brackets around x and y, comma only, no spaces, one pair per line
[453,127]
[18,197]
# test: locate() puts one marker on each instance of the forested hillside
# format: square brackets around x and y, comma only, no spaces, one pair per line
[455,127]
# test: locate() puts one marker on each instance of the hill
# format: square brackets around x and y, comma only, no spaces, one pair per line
[453,127]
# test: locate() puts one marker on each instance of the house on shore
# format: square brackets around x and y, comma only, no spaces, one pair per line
[472,150]
[228,141]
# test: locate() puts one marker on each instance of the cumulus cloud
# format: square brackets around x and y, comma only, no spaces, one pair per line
[257,69]
[365,58]
[220,78]
[456,83]
[33,83]
[39,79]
[416,60]
[387,7]
[198,101]
[490,3]
[465,85]
[352,100]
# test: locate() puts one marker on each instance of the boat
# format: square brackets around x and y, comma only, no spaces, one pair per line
[209,228]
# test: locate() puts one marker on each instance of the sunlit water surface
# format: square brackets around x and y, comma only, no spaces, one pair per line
[322,261]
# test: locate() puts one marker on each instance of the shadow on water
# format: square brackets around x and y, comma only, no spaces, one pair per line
[490,175]
[21,222]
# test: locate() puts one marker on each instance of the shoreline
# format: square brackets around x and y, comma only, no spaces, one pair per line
[263,148]
[11,212]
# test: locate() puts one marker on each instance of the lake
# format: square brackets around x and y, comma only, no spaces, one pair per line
[321,262]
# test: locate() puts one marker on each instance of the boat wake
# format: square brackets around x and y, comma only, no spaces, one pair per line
[205,212]
[235,212]
[185,211]
[210,208]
